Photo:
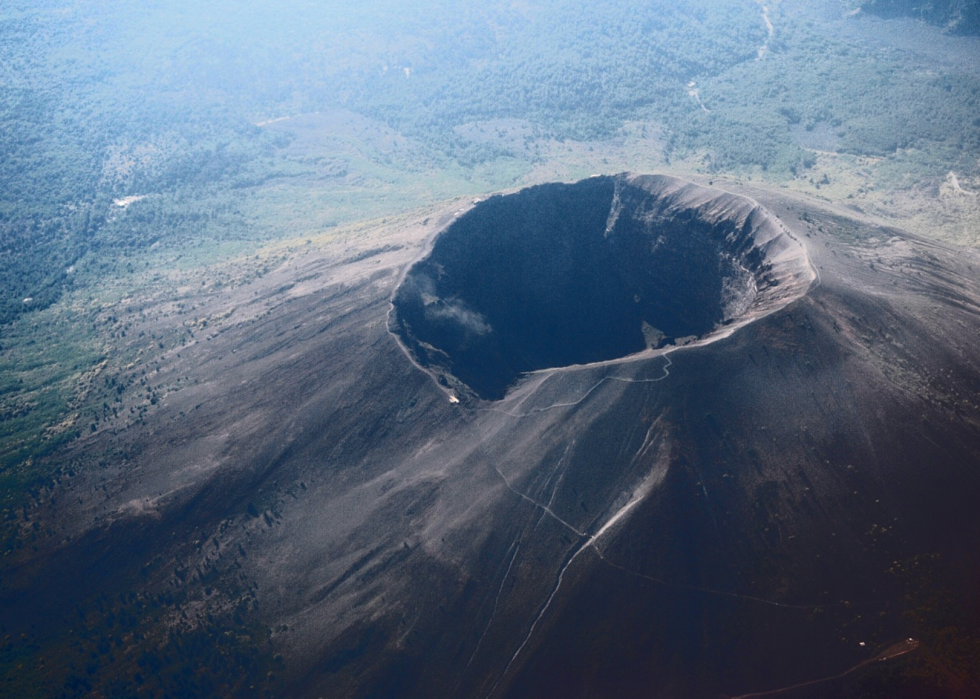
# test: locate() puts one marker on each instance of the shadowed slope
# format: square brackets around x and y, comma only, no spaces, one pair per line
[720,518]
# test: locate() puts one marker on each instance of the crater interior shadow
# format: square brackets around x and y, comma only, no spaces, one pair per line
[563,274]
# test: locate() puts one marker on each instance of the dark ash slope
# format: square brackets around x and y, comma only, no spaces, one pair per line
[712,520]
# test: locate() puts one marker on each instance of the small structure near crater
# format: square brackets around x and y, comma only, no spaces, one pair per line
[567,274]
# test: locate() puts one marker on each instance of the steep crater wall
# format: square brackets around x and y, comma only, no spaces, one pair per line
[565,274]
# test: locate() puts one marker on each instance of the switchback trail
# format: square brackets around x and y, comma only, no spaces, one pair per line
[554,406]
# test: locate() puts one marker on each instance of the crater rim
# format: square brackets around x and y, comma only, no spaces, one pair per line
[780,273]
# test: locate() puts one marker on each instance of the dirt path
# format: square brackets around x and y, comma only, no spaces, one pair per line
[893,651]
[126,201]
[693,92]
[764,49]
[954,182]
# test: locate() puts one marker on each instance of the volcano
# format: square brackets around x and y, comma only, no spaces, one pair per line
[627,437]
[558,275]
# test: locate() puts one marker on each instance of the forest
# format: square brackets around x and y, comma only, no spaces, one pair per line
[955,16]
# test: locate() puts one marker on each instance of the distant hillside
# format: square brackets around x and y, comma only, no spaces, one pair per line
[958,16]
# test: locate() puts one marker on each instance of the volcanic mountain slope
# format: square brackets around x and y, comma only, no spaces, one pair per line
[773,498]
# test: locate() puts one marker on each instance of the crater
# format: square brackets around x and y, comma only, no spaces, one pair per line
[559,275]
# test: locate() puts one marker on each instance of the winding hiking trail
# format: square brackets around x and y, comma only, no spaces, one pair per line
[553,406]
[893,651]
[764,49]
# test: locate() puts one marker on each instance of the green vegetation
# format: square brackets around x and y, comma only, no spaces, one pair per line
[923,122]
[117,647]
[956,16]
